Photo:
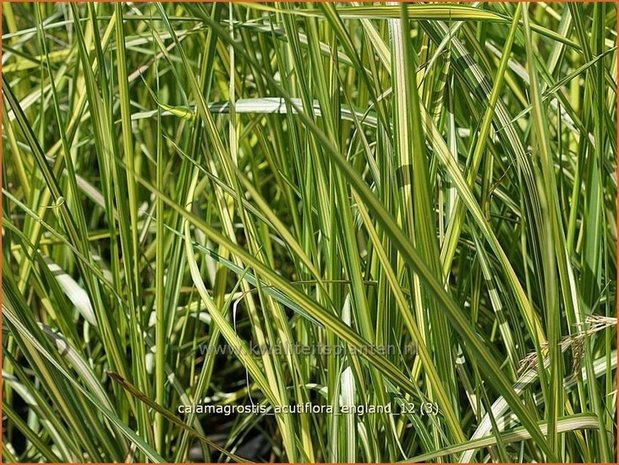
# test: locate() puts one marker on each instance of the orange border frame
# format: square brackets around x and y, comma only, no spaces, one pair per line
[262,1]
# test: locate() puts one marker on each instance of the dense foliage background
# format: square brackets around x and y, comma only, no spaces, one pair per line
[430,188]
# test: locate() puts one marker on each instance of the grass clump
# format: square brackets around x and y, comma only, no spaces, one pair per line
[309,232]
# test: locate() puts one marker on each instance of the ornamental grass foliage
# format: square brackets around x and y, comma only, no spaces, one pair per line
[309,232]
